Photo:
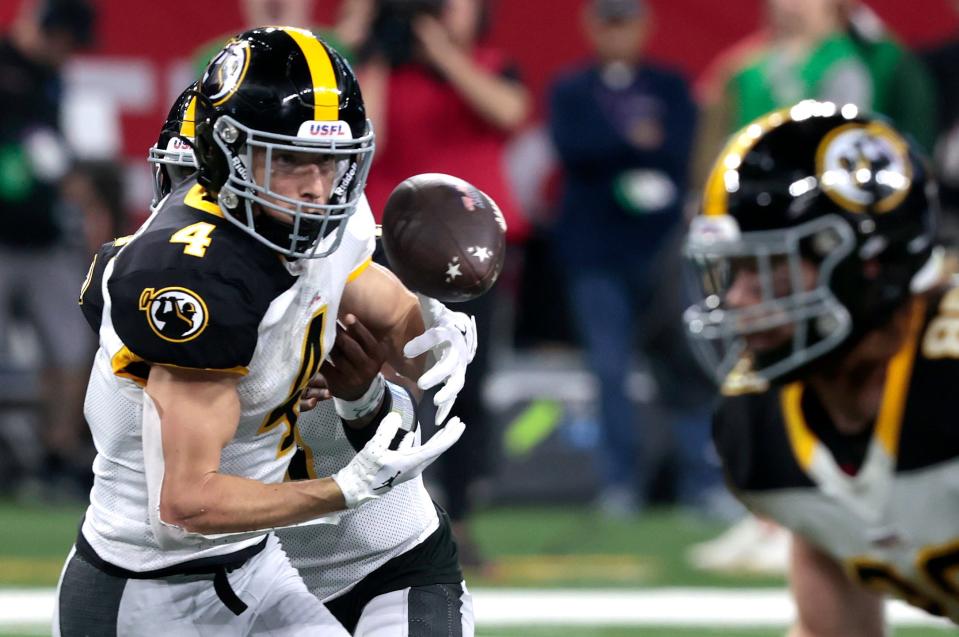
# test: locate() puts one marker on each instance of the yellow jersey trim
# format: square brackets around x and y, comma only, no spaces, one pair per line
[899,372]
[88,279]
[891,409]
[239,370]
[122,360]
[801,439]
[308,452]
[197,198]
[360,269]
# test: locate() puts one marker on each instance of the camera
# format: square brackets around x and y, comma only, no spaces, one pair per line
[392,33]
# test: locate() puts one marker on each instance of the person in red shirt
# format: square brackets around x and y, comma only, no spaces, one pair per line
[449,107]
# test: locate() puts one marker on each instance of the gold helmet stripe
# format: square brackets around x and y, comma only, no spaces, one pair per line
[187,128]
[716,193]
[326,95]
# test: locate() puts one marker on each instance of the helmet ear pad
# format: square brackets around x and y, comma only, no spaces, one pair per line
[214,169]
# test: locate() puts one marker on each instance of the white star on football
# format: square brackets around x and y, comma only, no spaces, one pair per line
[480,253]
[453,271]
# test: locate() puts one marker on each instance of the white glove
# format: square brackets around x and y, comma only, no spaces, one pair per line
[453,335]
[376,469]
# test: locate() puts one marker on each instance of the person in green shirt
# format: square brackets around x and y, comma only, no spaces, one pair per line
[804,49]
[810,55]
[903,88]
[800,51]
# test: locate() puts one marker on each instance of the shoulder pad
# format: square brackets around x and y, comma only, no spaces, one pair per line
[91,292]
[187,319]
[751,439]
[193,300]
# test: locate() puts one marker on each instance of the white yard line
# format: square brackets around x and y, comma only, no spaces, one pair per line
[710,607]
[707,607]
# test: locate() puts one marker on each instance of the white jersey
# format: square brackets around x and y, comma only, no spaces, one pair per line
[891,517]
[192,290]
[332,558]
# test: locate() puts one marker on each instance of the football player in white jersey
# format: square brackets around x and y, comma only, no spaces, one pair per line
[825,317]
[393,562]
[390,567]
[215,315]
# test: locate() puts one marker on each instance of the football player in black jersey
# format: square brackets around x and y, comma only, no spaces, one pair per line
[213,317]
[378,563]
[825,318]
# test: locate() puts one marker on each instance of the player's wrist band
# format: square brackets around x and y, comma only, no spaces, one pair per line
[365,405]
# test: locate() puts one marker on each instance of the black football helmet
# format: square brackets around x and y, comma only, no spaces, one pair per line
[172,155]
[820,184]
[282,90]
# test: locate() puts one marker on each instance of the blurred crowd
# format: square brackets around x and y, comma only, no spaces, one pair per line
[595,186]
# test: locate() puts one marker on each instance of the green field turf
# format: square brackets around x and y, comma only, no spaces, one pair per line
[531,547]
[535,547]
[34,541]
[567,547]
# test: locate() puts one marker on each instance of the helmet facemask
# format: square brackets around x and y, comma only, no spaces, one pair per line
[796,317]
[296,228]
[171,165]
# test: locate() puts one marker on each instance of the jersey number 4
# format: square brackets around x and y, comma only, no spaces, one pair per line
[196,236]
[288,412]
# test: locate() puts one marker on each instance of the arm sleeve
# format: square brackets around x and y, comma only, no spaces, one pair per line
[397,399]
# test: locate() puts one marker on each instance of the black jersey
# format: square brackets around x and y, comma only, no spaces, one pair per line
[885,504]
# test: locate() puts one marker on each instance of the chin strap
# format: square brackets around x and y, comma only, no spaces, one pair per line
[281,234]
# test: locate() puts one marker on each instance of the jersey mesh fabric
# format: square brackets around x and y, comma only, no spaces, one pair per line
[117,524]
[332,558]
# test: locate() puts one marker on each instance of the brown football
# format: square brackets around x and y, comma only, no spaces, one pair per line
[443,237]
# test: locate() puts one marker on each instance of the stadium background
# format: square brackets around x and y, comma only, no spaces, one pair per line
[549,551]
[143,50]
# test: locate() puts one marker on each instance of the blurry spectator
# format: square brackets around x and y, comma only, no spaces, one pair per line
[903,89]
[95,190]
[441,100]
[622,128]
[803,51]
[836,50]
[348,33]
[943,63]
[41,248]
[809,55]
